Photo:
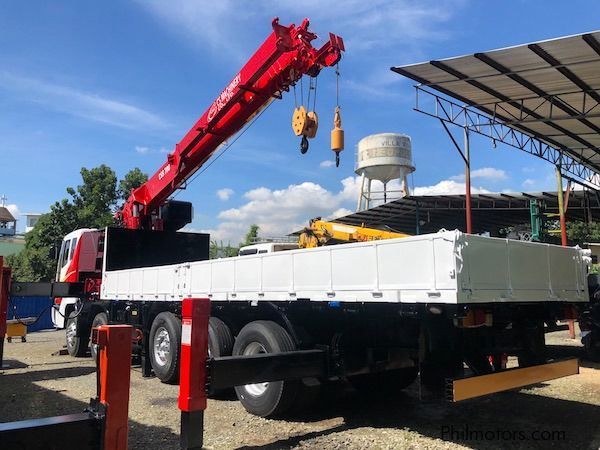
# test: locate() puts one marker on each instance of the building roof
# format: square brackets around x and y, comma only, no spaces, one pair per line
[490,212]
[549,90]
[5,215]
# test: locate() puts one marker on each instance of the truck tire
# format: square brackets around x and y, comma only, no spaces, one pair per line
[76,345]
[533,345]
[164,348]
[385,382]
[591,344]
[220,338]
[220,343]
[275,397]
[99,319]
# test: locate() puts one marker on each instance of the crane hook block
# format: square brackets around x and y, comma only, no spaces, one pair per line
[305,123]
[299,121]
[337,135]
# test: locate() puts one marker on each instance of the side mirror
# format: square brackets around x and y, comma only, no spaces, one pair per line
[53,252]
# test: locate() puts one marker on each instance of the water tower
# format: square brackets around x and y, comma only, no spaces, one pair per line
[383,157]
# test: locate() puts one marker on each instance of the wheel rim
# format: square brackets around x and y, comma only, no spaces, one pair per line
[71,334]
[256,389]
[162,347]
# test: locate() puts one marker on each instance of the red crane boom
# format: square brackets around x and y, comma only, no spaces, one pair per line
[284,57]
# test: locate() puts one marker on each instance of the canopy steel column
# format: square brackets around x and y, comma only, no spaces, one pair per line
[468,181]
[466,156]
[561,209]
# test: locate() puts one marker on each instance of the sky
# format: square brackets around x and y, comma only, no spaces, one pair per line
[84,83]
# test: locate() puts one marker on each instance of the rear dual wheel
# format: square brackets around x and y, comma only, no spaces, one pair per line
[164,347]
[100,319]
[165,344]
[273,398]
[76,345]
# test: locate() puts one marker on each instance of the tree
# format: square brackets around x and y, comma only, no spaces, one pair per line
[91,205]
[580,232]
[218,250]
[251,235]
[96,197]
[132,180]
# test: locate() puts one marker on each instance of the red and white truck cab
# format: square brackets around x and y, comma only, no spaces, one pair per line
[80,257]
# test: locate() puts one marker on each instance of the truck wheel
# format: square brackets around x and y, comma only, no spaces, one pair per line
[385,382]
[100,319]
[220,338]
[165,345]
[76,345]
[275,397]
[591,344]
[533,345]
[220,343]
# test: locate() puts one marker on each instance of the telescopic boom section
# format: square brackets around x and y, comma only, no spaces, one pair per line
[284,57]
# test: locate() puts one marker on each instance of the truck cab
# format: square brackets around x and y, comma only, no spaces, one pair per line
[80,257]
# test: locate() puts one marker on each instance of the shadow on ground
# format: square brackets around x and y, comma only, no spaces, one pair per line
[21,399]
[570,351]
[515,419]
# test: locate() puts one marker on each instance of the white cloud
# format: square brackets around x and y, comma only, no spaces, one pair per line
[485,173]
[225,194]
[365,25]
[326,164]
[449,187]
[281,211]
[340,212]
[80,103]
[528,182]
[14,210]
[141,149]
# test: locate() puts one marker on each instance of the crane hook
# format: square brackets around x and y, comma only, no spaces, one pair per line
[304,145]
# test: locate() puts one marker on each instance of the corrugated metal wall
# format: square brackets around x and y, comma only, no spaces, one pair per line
[32,307]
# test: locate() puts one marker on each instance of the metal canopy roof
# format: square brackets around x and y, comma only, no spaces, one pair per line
[549,90]
[491,212]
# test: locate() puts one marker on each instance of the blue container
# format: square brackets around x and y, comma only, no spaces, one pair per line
[21,307]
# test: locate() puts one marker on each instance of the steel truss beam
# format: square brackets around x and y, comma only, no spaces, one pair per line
[494,127]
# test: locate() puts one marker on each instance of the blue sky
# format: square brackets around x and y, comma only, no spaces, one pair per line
[115,82]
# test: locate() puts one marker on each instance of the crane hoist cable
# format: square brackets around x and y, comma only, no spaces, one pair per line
[337,134]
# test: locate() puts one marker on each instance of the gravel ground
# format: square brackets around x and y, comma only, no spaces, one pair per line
[41,384]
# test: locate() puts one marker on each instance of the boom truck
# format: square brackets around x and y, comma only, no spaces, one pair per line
[435,307]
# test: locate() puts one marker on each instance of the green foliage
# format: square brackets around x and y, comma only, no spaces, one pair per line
[218,250]
[91,205]
[251,235]
[580,232]
[132,180]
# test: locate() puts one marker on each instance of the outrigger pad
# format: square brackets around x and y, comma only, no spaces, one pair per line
[130,249]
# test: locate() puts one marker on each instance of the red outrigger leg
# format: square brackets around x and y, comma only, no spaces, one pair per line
[114,369]
[195,313]
[4,292]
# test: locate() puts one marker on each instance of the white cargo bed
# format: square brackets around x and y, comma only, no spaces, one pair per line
[446,267]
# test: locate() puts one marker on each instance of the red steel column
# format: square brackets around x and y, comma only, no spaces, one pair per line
[4,292]
[195,313]
[114,365]
[468,182]
[561,209]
